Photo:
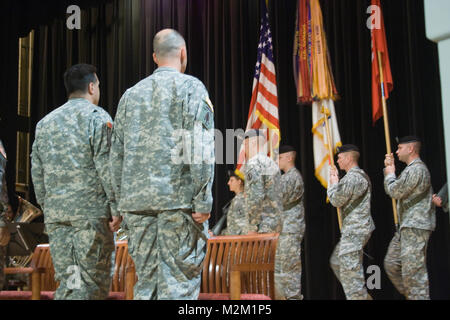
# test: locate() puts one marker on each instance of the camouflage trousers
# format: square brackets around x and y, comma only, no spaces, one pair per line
[81,254]
[348,269]
[288,267]
[2,266]
[406,263]
[168,252]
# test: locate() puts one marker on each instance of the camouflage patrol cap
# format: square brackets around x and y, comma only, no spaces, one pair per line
[347,148]
[408,139]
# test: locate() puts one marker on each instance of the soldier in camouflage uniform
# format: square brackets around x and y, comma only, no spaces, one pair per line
[405,262]
[263,199]
[4,233]
[162,164]
[352,194]
[263,202]
[70,171]
[237,218]
[288,278]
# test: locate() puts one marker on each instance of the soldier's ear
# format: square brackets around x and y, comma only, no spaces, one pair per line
[183,54]
[155,59]
[91,88]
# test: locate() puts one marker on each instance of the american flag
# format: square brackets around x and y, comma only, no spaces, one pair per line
[263,112]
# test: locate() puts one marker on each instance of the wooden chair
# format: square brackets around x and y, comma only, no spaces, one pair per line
[41,272]
[124,276]
[239,267]
[42,275]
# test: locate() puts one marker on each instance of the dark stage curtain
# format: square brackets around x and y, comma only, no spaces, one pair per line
[9,121]
[222,37]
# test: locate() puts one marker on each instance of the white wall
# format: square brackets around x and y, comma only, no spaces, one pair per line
[437,23]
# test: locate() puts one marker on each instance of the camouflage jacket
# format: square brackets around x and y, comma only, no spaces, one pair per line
[414,193]
[162,153]
[352,194]
[263,202]
[237,218]
[3,191]
[70,159]
[292,189]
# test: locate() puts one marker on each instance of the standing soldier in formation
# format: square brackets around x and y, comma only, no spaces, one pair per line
[162,163]
[352,194]
[262,186]
[290,274]
[405,262]
[237,218]
[70,171]
[4,233]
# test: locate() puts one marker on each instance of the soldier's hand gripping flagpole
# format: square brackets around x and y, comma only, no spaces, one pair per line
[387,134]
[326,114]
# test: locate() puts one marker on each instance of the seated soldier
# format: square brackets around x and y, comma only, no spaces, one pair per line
[237,219]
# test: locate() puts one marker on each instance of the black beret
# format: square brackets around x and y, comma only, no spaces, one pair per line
[408,139]
[347,148]
[285,149]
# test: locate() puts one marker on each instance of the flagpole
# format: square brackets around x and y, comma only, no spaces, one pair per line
[326,113]
[387,134]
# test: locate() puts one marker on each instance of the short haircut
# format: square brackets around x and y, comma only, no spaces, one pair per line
[417,145]
[78,77]
[355,155]
[167,42]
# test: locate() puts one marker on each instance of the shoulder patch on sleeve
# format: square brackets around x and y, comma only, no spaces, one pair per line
[209,103]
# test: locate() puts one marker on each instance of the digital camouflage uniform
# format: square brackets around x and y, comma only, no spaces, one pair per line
[237,218]
[288,273]
[263,202]
[405,262]
[352,194]
[3,207]
[70,171]
[162,164]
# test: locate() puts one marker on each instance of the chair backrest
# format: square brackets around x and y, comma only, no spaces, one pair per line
[255,252]
[42,261]
[122,260]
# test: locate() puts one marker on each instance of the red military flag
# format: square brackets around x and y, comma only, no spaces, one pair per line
[382,82]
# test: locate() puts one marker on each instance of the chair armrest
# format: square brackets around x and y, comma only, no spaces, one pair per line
[18,270]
